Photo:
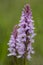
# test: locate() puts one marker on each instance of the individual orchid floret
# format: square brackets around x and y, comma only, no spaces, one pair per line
[20,44]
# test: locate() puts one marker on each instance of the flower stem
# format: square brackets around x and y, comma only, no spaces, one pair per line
[24,59]
[15,61]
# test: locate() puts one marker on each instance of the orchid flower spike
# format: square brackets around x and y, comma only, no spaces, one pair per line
[22,37]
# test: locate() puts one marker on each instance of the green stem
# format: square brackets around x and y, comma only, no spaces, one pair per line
[25,60]
[15,61]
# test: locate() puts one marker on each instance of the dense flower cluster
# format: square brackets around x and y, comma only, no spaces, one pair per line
[20,43]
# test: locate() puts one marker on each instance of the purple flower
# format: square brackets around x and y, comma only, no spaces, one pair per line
[20,43]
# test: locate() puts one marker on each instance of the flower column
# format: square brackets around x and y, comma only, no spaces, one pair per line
[26,32]
[20,44]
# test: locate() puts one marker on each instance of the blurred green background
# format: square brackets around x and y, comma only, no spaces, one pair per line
[10,12]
